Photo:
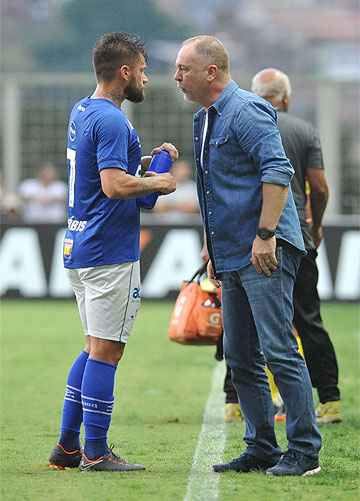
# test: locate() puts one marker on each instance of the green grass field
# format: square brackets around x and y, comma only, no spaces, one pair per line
[161,392]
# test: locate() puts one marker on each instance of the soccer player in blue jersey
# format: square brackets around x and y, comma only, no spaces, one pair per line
[101,246]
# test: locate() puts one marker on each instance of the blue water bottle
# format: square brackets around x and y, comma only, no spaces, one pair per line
[161,162]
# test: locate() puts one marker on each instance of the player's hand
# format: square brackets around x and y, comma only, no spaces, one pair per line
[317,234]
[170,148]
[165,183]
[211,275]
[263,255]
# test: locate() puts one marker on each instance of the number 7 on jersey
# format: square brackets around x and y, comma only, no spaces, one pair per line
[71,156]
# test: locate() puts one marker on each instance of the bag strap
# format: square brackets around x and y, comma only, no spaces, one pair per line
[199,272]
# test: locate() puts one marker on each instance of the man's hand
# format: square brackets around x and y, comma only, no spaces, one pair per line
[263,255]
[170,148]
[165,183]
[210,274]
[317,234]
[204,253]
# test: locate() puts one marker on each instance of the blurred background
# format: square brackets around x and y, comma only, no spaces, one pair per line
[46,66]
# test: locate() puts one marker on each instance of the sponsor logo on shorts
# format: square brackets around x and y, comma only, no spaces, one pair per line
[136,293]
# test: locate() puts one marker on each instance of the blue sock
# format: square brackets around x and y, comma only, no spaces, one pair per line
[72,412]
[97,402]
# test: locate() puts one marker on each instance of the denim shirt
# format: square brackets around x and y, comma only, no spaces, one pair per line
[243,150]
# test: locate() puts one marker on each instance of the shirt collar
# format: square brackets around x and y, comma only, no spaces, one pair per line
[224,97]
[220,103]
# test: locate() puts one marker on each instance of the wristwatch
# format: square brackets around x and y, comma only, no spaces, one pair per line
[265,233]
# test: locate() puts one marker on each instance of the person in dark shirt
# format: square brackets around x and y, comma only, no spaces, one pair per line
[302,146]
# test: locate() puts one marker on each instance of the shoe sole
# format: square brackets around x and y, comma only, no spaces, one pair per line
[120,469]
[308,473]
[125,470]
[252,470]
[60,467]
[56,467]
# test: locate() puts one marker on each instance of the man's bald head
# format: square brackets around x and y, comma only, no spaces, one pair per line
[211,49]
[273,85]
[202,69]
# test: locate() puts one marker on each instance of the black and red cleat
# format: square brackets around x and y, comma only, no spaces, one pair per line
[61,459]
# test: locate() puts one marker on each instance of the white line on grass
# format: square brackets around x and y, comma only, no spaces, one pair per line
[203,482]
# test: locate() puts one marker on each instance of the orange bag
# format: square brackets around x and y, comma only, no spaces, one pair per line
[196,318]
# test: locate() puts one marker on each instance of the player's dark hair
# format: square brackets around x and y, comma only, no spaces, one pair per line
[113,50]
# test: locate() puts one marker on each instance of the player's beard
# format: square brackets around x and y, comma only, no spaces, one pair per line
[133,93]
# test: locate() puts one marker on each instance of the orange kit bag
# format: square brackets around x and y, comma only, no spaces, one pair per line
[196,318]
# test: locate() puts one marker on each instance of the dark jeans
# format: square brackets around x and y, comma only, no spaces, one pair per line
[318,349]
[258,314]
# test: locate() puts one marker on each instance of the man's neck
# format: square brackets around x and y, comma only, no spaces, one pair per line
[214,93]
[103,91]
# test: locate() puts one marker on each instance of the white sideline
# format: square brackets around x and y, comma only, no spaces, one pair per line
[203,482]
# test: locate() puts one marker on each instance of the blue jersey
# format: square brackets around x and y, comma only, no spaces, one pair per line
[101,231]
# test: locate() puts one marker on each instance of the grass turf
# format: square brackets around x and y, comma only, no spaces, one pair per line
[161,392]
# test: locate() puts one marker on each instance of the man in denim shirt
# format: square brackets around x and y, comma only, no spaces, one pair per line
[255,245]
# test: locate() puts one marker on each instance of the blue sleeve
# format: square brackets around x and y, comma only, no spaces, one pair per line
[112,137]
[259,136]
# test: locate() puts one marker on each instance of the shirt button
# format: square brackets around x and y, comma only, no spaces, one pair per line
[213,232]
[206,172]
[207,192]
[196,139]
[210,212]
[198,159]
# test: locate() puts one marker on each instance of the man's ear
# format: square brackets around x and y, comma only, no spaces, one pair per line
[124,72]
[285,103]
[212,72]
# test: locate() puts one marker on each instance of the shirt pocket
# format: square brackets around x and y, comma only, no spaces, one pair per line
[221,149]
[219,141]
[226,153]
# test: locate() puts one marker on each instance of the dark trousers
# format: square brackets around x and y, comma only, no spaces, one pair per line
[318,349]
[258,318]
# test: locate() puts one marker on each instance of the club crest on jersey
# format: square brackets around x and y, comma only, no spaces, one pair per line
[72,131]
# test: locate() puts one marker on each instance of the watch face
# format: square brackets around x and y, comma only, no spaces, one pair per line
[264,234]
